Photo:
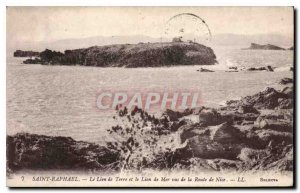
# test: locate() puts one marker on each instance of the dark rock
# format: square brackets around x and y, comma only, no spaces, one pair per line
[231,71]
[225,133]
[251,139]
[249,155]
[267,99]
[221,141]
[240,135]
[30,151]
[232,105]
[134,55]
[225,164]
[236,117]
[196,111]
[21,53]
[276,125]
[233,114]
[205,70]
[247,109]
[176,125]
[51,57]
[233,67]
[247,122]
[268,68]
[33,61]
[279,158]
[277,137]
[175,115]
[286,81]
[208,117]
[254,46]
[257,68]
[191,130]
[285,114]
[284,103]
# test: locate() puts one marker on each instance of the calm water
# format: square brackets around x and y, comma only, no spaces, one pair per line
[60,100]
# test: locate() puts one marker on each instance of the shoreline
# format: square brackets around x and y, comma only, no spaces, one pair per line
[249,120]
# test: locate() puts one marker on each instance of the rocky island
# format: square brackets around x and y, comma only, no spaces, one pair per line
[254,46]
[21,53]
[131,55]
[254,133]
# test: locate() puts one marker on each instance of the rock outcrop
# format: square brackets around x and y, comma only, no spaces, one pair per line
[254,46]
[134,55]
[266,99]
[285,81]
[33,61]
[254,133]
[267,68]
[29,151]
[204,70]
[21,53]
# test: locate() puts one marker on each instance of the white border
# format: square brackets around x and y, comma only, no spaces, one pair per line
[151,3]
[5,3]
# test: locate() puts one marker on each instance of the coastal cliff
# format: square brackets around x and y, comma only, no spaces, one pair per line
[132,55]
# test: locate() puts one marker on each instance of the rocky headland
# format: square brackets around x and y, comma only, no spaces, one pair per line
[132,55]
[254,46]
[254,133]
[21,53]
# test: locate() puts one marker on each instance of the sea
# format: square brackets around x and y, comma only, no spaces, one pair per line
[61,100]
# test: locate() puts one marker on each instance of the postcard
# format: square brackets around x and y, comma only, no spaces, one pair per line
[150,96]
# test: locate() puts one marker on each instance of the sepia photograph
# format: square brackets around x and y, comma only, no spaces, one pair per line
[150,96]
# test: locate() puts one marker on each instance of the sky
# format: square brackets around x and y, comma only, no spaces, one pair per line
[54,23]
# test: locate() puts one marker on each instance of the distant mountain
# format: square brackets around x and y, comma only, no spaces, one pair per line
[65,44]
[218,40]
